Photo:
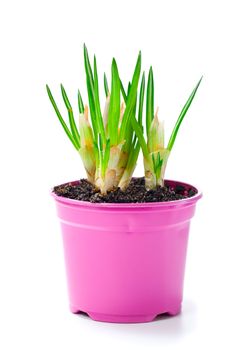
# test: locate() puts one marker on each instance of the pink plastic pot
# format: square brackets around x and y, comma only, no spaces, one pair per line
[125,262]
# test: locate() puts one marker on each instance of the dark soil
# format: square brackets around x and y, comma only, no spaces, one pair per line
[135,193]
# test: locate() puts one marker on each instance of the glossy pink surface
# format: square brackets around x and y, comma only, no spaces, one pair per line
[125,262]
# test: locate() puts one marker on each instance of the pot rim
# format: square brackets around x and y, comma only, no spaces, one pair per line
[175,203]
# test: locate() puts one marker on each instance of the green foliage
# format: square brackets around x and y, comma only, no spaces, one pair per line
[110,142]
[154,152]
[105,146]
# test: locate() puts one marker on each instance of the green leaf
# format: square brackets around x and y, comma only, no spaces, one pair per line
[65,98]
[114,106]
[73,126]
[80,103]
[149,101]
[97,103]
[88,66]
[133,156]
[100,143]
[181,116]
[141,99]
[100,150]
[92,110]
[128,89]
[96,153]
[130,136]
[129,141]
[138,131]
[106,89]
[66,129]
[131,99]
[106,157]
[123,92]
[90,92]
[157,163]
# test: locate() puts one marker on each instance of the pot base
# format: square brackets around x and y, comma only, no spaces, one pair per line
[126,318]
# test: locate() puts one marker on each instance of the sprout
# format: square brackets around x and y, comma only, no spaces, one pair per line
[107,143]
[155,153]
[109,140]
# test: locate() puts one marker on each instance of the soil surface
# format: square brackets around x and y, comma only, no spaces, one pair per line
[135,193]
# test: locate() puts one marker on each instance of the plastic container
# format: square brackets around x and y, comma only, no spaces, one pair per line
[125,262]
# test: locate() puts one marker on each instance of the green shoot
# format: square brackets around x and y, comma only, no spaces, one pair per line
[80,103]
[109,139]
[155,153]
[106,144]
[66,129]
[182,115]
[149,101]
[106,89]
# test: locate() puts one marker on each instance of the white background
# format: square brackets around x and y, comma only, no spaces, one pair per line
[41,42]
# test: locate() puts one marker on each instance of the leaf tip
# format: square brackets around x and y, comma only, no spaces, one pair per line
[140,56]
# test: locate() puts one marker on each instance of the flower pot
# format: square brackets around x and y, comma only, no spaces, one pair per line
[125,262]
